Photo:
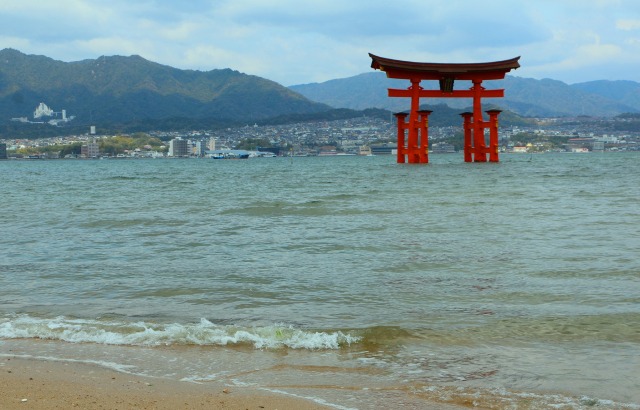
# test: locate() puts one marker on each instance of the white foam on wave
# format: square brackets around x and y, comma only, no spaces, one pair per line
[118,367]
[155,334]
[314,399]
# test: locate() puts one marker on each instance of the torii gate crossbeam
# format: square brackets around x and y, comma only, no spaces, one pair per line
[416,146]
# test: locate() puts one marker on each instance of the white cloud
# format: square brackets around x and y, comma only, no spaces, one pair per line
[628,25]
[298,41]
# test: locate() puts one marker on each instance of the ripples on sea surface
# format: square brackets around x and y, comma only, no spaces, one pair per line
[352,280]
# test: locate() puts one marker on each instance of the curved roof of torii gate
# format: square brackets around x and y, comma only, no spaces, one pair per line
[434,71]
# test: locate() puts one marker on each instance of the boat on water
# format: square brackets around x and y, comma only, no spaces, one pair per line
[228,154]
[239,154]
[365,150]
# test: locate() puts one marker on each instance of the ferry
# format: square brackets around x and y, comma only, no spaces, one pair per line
[229,154]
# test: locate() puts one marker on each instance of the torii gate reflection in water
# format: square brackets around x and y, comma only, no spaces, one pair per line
[416,147]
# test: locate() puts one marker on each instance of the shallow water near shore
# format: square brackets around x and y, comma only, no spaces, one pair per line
[352,281]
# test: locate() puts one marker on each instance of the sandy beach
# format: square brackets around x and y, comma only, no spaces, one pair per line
[44,385]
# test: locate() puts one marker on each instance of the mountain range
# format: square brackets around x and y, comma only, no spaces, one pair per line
[524,96]
[131,93]
[120,90]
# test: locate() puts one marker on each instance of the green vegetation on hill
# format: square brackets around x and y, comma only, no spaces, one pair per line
[110,146]
[119,92]
[330,115]
[124,95]
[119,144]
[628,122]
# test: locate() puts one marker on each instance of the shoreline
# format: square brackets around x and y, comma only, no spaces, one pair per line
[44,385]
[41,384]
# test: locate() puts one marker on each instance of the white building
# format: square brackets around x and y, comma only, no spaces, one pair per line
[42,111]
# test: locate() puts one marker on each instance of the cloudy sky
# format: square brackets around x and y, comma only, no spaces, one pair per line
[304,41]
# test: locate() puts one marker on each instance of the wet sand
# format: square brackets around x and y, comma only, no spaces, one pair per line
[45,385]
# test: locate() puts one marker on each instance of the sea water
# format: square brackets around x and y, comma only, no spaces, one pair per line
[352,281]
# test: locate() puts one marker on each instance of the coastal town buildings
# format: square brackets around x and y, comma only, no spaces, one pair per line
[178,147]
[90,149]
[350,136]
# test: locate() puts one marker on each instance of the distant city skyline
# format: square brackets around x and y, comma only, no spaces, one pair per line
[299,42]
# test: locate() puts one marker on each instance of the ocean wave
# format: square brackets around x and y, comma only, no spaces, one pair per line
[204,333]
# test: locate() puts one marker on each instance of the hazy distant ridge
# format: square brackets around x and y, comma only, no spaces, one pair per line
[525,96]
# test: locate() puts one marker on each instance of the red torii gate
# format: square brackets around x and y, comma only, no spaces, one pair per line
[416,147]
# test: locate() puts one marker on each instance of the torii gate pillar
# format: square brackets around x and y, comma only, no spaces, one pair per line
[493,134]
[414,145]
[402,125]
[466,126]
[423,120]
